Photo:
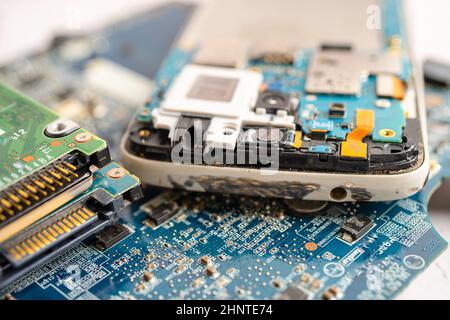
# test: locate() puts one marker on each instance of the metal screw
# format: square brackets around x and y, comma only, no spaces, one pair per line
[144,133]
[387,133]
[83,137]
[116,173]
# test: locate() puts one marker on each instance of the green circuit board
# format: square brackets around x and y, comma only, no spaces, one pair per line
[25,147]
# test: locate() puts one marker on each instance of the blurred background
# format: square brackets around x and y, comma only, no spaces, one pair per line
[28,26]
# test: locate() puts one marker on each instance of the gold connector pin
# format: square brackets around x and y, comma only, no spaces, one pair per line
[67,223]
[52,232]
[6,203]
[14,198]
[88,212]
[63,226]
[58,229]
[74,221]
[43,238]
[38,242]
[22,193]
[27,249]
[59,176]
[78,217]
[47,235]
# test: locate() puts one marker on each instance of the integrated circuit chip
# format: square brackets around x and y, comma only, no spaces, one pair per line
[272,101]
[213,88]
[110,236]
[293,293]
[355,227]
[160,209]
[337,110]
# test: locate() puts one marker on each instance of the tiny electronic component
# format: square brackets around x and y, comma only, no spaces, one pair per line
[336,47]
[437,73]
[273,53]
[162,213]
[111,236]
[160,209]
[273,102]
[337,110]
[390,86]
[293,293]
[355,227]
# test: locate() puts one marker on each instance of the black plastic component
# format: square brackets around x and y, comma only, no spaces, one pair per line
[273,101]
[110,236]
[356,227]
[382,157]
[336,47]
[190,126]
[337,110]
[437,73]
[101,158]
[162,213]
[155,145]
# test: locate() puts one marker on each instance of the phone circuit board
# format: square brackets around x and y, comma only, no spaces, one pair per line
[200,246]
[329,107]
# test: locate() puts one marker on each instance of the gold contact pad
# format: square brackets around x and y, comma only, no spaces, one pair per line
[48,234]
[42,211]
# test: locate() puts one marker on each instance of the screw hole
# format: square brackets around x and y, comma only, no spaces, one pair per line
[338,194]
[228,132]
[387,133]
[61,126]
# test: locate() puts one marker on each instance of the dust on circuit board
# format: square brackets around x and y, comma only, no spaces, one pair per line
[231,247]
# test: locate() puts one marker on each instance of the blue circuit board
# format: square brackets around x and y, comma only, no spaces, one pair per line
[313,109]
[257,247]
[438,107]
[113,186]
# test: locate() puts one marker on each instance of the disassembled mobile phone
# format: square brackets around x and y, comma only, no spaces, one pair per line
[325,90]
